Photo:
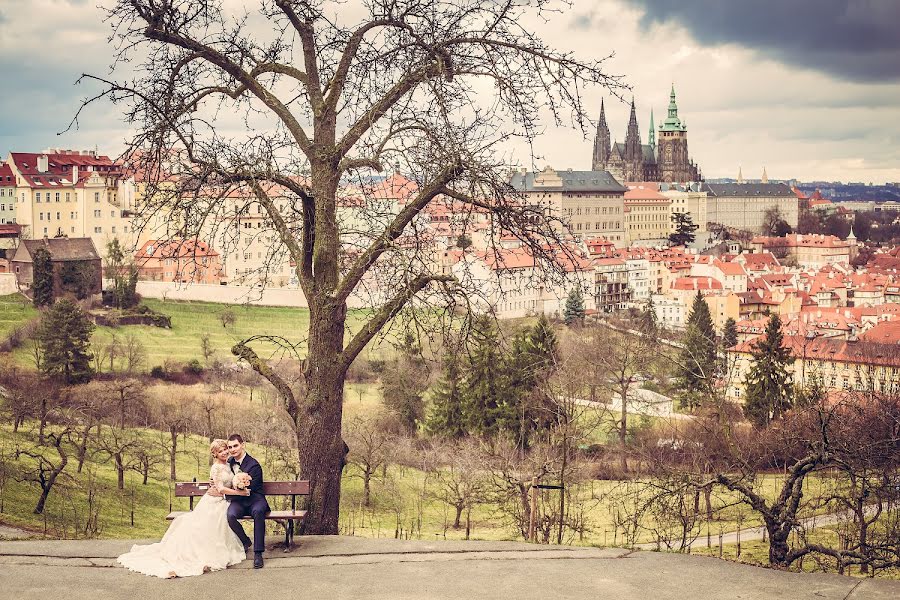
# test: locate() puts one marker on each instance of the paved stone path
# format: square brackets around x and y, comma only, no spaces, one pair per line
[357,568]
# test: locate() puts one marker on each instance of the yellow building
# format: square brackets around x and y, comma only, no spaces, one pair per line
[68,193]
[647,212]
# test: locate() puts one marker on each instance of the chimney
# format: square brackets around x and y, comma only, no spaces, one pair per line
[43,163]
[74,174]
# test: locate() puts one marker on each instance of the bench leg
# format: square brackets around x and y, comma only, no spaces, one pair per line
[288,534]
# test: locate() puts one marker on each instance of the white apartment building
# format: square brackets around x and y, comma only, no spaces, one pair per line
[744,205]
[512,285]
[639,279]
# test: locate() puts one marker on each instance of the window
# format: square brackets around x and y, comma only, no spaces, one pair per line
[98,230]
[112,213]
[97,214]
[57,215]
[113,228]
[96,196]
[57,197]
[37,197]
[45,231]
[68,197]
[40,216]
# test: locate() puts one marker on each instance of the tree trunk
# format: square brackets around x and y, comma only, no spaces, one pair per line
[623,431]
[367,478]
[47,485]
[172,450]
[146,474]
[43,424]
[82,448]
[778,545]
[459,510]
[318,430]
[120,471]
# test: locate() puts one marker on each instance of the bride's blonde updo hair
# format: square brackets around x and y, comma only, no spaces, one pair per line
[216,446]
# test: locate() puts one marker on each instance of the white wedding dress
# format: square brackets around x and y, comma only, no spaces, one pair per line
[196,542]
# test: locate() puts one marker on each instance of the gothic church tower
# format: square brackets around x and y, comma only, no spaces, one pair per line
[601,142]
[673,159]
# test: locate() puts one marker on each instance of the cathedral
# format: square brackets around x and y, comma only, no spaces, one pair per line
[667,161]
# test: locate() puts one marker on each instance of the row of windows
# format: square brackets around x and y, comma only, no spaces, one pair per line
[72,215]
[602,226]
[613,210]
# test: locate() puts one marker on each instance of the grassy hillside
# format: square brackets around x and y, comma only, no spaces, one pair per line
[14,310]
[191,320]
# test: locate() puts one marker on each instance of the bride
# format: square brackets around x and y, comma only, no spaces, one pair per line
[197,541]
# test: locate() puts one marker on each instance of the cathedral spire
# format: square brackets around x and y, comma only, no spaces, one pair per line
[601,142]
[652,138]
[740,178]
[765,178]
[633,136]
[672,122]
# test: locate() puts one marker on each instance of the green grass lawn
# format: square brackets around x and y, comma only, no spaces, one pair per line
[190,321]
[14,311]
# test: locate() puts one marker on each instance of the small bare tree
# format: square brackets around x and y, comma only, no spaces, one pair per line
[459,478]
[370,438]
[46,471]
[134,353]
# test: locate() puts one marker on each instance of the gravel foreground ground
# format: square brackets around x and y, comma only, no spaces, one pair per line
[345,567]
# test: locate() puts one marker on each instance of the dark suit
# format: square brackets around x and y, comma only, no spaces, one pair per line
[254,505]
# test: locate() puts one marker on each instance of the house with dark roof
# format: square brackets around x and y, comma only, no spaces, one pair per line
[591,202]
[77,267]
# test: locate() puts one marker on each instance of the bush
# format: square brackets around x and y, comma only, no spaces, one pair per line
[158,372]
[193,367]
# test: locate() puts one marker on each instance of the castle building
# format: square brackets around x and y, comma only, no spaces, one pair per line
[666,160]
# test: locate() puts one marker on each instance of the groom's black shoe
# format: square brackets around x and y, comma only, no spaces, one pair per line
[257,560]
[247,545]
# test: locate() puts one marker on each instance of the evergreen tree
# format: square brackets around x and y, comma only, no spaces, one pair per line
[768,383]
[729,334]
[65,337]
[684,229]
[534,359]
[488,405]
[403,383]
[124,274]
[574,310]
[648,322]
[729,340]
[697,367]
[42,277]
[446,417]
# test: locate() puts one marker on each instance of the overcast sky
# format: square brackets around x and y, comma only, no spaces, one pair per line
[809,89]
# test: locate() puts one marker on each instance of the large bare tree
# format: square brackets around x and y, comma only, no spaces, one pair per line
[277,106]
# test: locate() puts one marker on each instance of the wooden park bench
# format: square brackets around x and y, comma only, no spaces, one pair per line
[193,489]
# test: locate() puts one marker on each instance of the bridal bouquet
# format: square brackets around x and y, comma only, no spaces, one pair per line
[241,481]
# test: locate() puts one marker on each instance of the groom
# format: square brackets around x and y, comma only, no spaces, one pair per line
[254,505]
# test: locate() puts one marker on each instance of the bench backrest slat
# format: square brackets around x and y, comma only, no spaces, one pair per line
[270,488]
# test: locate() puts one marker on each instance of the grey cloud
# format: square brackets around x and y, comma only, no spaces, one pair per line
[852,39]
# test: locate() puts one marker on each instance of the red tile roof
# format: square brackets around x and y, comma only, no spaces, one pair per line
[174,249]
[60,168]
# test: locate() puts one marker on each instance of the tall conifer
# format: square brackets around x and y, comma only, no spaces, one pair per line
[65,337]
[768,383]
[697,367]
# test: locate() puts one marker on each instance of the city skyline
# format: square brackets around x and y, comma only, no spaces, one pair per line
[805,94]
